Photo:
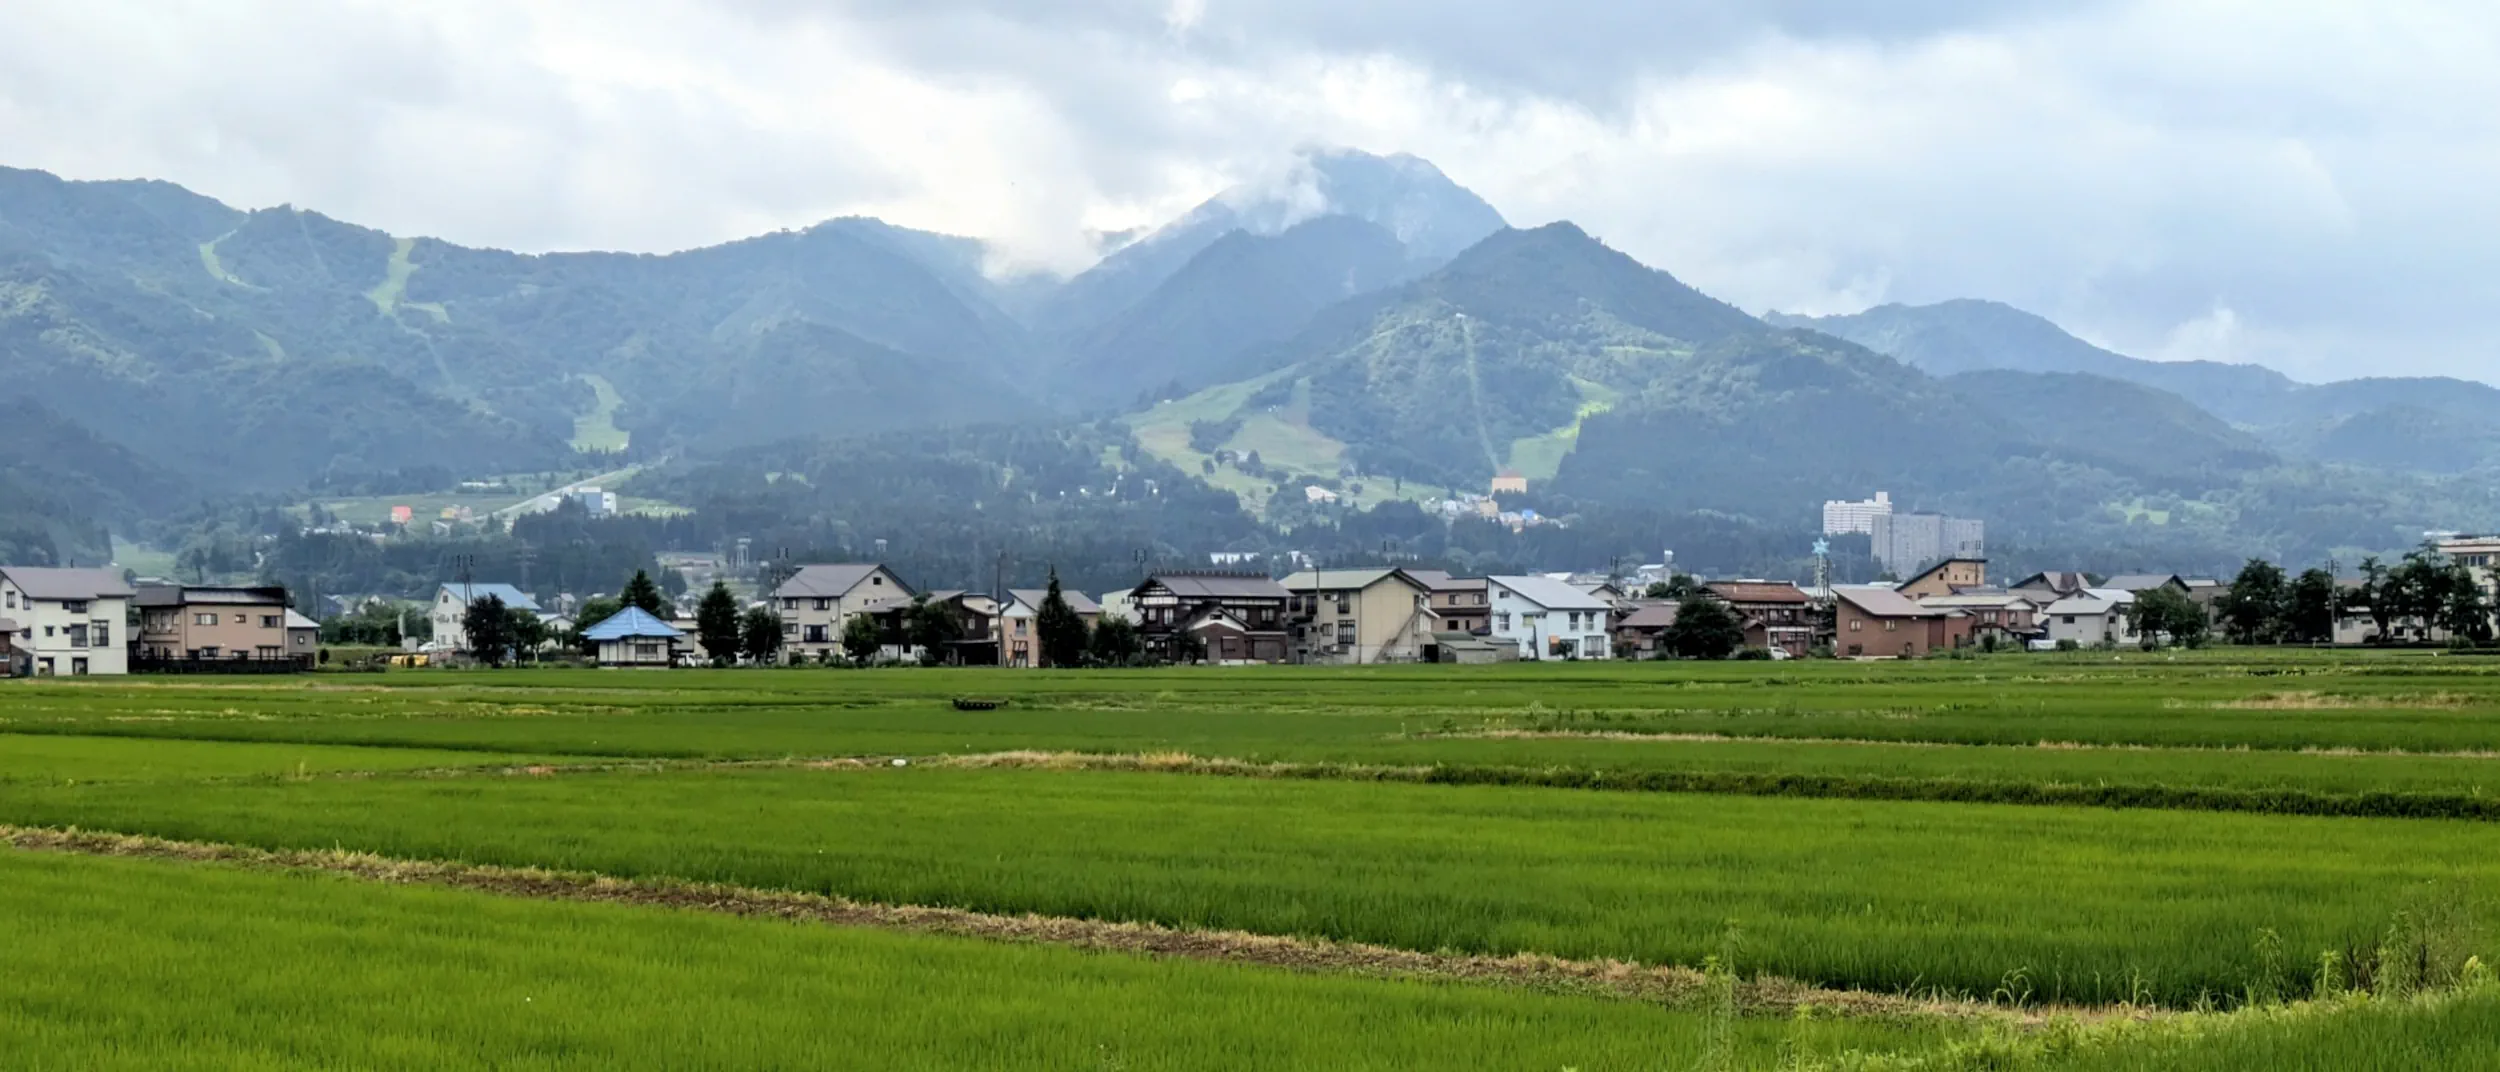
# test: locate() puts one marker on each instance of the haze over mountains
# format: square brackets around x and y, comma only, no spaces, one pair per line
[1367,320]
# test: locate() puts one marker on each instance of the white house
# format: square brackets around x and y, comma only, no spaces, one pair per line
[451,608]
[2091,617]
[1549,619]
[67,622]
[817,601]
[632,637]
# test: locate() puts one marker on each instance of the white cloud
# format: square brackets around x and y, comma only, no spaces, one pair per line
[2318,172]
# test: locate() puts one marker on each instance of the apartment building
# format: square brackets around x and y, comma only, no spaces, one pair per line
[67,622]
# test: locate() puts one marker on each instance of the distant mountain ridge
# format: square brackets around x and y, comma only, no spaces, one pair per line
[2359,421]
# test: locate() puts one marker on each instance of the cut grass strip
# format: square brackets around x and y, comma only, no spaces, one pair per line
[2077,906]
[120,963]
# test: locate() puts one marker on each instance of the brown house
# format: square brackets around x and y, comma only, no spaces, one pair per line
[1638,632]
[1876,621]
[1232,617]
[2013,617]
[205,622]
[1946,577]
[1464,604]
[1776,614]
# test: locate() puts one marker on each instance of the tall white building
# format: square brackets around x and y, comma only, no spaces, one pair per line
[1840,516]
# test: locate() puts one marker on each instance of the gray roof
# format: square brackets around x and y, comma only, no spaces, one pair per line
[7,626]
[1441,581]
[829,582]
[1077,601]
[1882,601]
[2142,582]
[1552,594]
[298,621]
[1657,614]
[2060,581]
[513,598]
[1351,578]
[183,595]
[1221,586]
[46,583]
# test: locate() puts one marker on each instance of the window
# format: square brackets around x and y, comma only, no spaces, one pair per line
[75,606]
[12,594]
[824,604]
[203,619]
[101,633]
[303,642]
[646,651]
[77,636]
[269,651]
[789,604]
[78,667]
[878,581]
[816,634]
[2070,619]
[270,621]
[242,619]
[204,653]
[1857,625]
[1891,626]
[789,630]
[1502,620]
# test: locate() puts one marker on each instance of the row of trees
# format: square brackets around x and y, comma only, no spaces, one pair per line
[2431,590]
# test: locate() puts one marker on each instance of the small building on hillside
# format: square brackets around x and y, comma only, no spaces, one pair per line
[1463,604]
[633,638]
[1877,621]
[1508,482]
[1360,616]
[69,621]
[451,609]
[1946,577]
[1548,619]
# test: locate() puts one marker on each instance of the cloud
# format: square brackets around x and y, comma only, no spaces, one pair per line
[2128,167]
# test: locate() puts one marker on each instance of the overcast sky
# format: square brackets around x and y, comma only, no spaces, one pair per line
[2311,185]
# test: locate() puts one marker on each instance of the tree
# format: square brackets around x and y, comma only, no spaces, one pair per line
[2166,615]
[1115,642]
[1060,630]
[1677,587]
[2377,597]
[2466,613]
[2253,609]
[1704,629]
[716,624]
[594,610]
[529,633]
[759,636]
[861,638]
[489,626]
[2310,608]
[640,592]
[932,628]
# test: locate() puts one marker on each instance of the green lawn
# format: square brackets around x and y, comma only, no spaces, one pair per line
[597,430]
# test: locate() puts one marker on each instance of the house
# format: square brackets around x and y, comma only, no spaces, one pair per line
[1878,621]
[197,622]
[2055,586]
[451,608]
[1462,603]
[1509,482]
[1640,633]
[2092,617]
[1548,619]
[1017,625]
[1359,616]
[633,638]
[1606,590]
[1232,617]
[68,620]
[1777,615]
[2011,616]
[817,601]
[1946,577]
[2207,593]
[303,636]
[1117,605]
[2145,582]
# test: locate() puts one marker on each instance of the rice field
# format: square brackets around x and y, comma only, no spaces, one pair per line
[2060,862]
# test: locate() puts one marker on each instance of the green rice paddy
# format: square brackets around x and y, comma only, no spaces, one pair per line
[2082,833]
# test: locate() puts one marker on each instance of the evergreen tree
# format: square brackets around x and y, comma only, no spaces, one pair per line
[489,626]
[1677,586]
[1704,629]
[1115,642]
[1062,631]
[716,624]
[640,592]
[760,636]
[2310,608]
[2253,609]
[861,638]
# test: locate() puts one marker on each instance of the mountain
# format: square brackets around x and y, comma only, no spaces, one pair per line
[2122,427]
[1407,197]
[2376,421]
[257,350]
[1242,292]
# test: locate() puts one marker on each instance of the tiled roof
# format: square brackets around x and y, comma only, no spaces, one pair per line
[48,583]
[1654,615]
[1757,591]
